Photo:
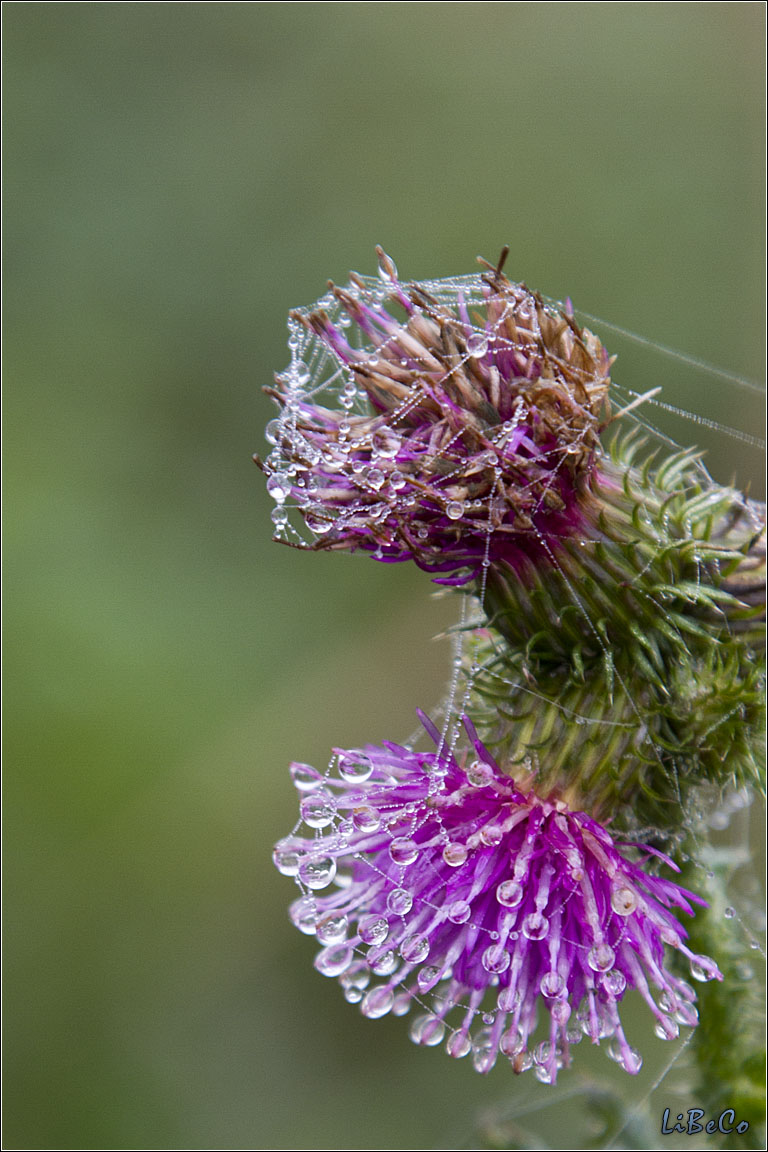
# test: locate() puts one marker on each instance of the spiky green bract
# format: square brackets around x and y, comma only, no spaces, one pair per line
[729,1042]
[626,667]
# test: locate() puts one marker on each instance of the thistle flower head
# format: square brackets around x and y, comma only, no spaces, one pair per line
[513,924]
[447,422]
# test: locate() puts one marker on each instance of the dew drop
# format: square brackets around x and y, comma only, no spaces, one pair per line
[355,769]
[455,854]
[403,850]
[623,900]
[317,872]
[483,1058]
[495,959]
[479,774]
[317,523]
[702,969]
[601,957]
[373,929]
[428,977]
[303,915]
[332,929]
[300,372]
[477,344]
[399,901]
[458,1045]
[402,1004]
[666,1028]
[427,1030]
[454,509]
[305,777]
[318,809]
[333,961]
[386,443]
[511,1042]
[375,478]
[491,835]
[414,949]
[459,912]
[729,913]
[535,926]
[365,819]
[509,893]
[279,487]
[377,1002]
[552,984]
[614,982]
[287,857]
[560,1010]
[385,964]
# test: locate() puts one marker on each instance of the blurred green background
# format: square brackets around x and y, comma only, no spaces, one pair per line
[177,177]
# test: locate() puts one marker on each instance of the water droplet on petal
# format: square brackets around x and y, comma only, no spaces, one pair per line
[386,443]
[535,926]
[403,850]
[702,968]
[509,893]
[560,1010]
[365,819]
[479,774]
[552,984]
[666,1028]
[332,929]
[305,777]
[355,768]
[428,977]
[399,901]
[601,957]
[491,835]
[287,857]
[458,1045]
[455,854]
[427,1030]
[614,982]
[623,900]
[385,964]
[333,961]
[495,959]
[459,912]
[318,808]
[414,949]
[511,1042]
[377,1002]
[317,872]
[373,929]
[303,915]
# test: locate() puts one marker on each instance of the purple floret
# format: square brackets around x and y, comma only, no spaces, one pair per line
[512,923]
[462,434]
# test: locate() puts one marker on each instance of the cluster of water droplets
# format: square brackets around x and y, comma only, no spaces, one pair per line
[424,886]
[358,473]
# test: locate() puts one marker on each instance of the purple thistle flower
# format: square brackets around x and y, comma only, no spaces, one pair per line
[457,891]
[461,432]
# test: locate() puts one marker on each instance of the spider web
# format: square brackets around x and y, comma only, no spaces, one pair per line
[318,376]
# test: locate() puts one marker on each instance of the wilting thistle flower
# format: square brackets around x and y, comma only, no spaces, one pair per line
[460,431]
[513,924]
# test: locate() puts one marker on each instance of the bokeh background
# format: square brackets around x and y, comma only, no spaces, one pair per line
[177,177]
